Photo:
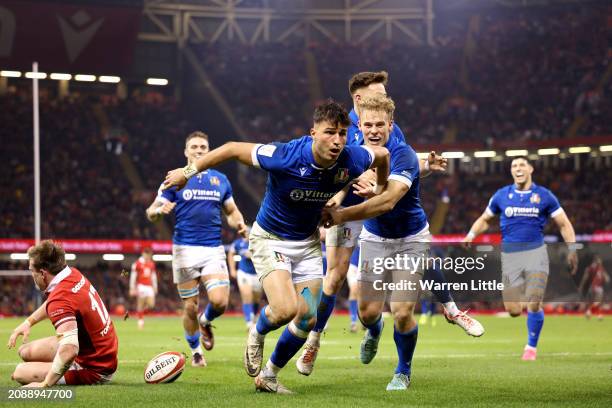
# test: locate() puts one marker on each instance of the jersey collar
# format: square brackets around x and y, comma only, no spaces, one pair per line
[58,278]
[516,190]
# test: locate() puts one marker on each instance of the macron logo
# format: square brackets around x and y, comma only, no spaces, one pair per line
[303,170]
[78,32]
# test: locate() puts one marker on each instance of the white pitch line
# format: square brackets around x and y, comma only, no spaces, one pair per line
[390,357]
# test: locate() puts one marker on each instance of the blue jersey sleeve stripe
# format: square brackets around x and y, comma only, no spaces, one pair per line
[401,179]
[254,155]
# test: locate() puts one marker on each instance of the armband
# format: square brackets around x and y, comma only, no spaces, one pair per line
[189,171]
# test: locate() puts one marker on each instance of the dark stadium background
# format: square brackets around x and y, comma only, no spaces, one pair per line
[467,77]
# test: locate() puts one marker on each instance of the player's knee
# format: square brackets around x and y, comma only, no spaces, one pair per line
[19,374]
[368,313]
[402,318]
[534,306]
[25,352]
[219,304]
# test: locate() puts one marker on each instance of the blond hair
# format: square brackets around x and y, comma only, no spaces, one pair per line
[379,103]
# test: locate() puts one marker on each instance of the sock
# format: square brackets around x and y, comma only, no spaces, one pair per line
[140,315]
[247,309]
[432,308]
[255,308]
[436,275]
[451,308]
[405,344]
[353,310]
[535,321]
[193,340]
[424,307]
[264,326]
[326,307]
[271,370]
[210,314]
[286,347]
[375,328]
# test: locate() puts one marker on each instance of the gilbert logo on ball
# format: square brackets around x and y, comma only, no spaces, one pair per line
[164,368]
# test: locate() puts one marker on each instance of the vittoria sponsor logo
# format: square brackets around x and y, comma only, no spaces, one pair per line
[195,194]
[310,195]
[521,212]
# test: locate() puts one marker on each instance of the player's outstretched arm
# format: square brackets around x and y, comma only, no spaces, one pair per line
[24,328]
[375,206]
[229,151]
[67,350]
[479,226]
[569,236]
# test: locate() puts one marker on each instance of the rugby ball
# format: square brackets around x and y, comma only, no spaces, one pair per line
[164,368]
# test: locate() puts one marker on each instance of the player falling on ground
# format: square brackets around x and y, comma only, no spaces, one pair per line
[143,284]
[396,225]
[342,239]
[248,284]
[524,208]
[84,349]
[303,175]
[596,277]
[198,257]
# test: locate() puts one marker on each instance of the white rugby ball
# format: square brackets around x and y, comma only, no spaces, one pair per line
[164,368]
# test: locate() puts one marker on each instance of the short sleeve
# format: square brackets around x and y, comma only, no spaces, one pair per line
[553,208]
[168,194]
[494,208]
[60,311]
[269,157]
[404,166]
[361,156]
[228,191]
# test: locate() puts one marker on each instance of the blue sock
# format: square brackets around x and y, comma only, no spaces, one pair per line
[326,307]
[264,326]
[432,308]
[375,328]
[247,309]
[255,308]
[424,307]
[286,347]
[405,344]
[437,276]
[535,321]
[353,310]
[193,340]
[210,313]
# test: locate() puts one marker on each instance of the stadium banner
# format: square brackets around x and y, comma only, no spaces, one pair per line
[487,273]
[92,246]
[67,37]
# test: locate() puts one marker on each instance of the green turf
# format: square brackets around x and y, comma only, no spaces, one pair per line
[574,367]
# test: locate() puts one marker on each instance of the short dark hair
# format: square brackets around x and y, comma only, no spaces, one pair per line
[363,79]
[332,112]
[197,133]
[48,255]
[522,157]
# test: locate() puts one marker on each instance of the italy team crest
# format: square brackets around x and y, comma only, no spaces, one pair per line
[342,175]
[214,181]
[535,199]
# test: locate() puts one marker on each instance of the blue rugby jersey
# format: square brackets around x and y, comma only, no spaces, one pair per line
[297,188]
[407,217]
[198,208]
[523,215]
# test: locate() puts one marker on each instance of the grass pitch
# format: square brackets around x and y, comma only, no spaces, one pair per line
[574,367]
